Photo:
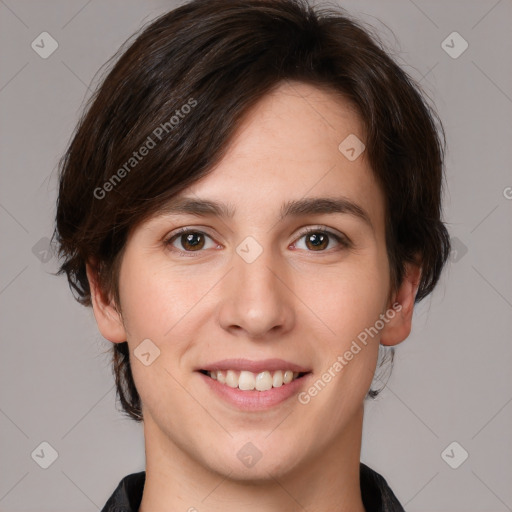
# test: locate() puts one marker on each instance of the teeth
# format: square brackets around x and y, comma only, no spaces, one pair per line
[248,381]
[263,381]
[231,379]
[277,379]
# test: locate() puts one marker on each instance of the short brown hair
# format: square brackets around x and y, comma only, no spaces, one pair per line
[220,57]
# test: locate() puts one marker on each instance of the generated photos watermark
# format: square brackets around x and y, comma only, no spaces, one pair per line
[150,143]
[342,360]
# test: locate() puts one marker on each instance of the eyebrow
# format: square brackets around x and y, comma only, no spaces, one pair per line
[296,208]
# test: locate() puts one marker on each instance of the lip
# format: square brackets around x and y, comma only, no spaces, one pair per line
[254,366]
[254,400]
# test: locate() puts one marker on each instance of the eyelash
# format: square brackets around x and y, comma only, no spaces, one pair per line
[342,240]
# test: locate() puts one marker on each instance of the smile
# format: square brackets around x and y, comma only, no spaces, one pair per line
[254,385]
[249,381]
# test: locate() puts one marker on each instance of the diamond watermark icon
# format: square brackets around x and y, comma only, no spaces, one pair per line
[459,250]
[454,45]
[42,250]
[44,455]
[146,352]
[249,455]
[44,45]
[454,455]
[249,249]
[351,147]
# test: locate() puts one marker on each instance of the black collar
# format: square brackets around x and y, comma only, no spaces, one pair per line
[376,493]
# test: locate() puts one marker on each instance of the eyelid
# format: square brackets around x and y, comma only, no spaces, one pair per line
[185,230]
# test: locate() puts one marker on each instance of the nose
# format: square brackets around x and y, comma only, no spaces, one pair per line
[256,300]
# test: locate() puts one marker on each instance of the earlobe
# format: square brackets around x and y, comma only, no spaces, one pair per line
[107,317]
[399,326]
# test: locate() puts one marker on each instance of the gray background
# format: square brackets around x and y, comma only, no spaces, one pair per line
[452,378]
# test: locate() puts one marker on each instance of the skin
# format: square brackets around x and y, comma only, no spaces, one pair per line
[294,302]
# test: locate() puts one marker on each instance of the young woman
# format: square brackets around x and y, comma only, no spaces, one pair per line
[252,206]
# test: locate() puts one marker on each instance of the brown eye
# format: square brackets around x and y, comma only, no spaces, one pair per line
[318,240]
[187,240]
[192,241]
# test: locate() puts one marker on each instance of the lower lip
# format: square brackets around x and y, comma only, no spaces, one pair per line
[255,400]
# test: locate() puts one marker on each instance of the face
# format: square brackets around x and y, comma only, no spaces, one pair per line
[265,290]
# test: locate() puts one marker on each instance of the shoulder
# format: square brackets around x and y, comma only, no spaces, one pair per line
[376,493]
[127,495]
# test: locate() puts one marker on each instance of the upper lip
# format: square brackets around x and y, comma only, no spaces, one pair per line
[254,366]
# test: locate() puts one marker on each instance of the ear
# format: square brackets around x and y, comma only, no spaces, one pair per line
[398,328]
[107,317]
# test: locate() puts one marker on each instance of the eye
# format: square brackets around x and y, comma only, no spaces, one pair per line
[318,239]
[190,240]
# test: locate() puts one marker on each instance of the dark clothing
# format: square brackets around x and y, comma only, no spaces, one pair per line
[377,496]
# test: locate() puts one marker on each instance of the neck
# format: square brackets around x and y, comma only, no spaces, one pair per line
[326,482]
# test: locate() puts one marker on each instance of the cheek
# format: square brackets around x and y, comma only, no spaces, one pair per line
[155,298]
[349,298]
[154,302]
[349,302]
[350,306]
[162,305]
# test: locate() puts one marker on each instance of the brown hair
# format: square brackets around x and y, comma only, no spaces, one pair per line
[188,79]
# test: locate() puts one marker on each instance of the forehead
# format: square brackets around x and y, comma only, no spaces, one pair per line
[296,122]
[287,148]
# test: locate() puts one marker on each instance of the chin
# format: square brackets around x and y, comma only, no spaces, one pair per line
[251,464]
